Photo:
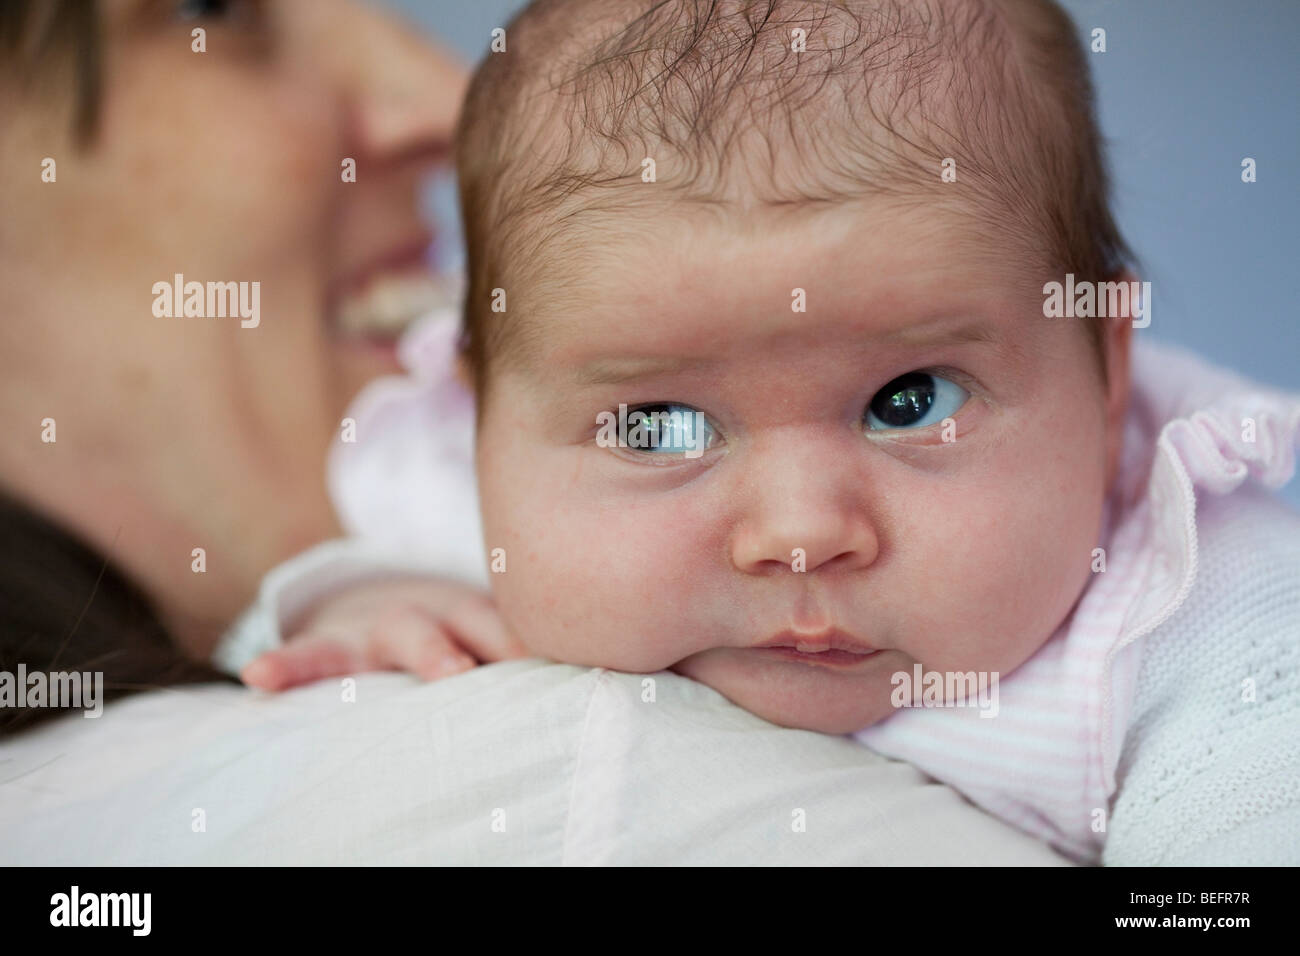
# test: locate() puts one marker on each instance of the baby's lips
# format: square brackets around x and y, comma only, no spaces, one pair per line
[832,639]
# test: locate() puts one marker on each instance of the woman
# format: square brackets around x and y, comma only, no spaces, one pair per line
[153,468]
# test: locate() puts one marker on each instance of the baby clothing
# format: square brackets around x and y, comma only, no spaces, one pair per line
[1159,724]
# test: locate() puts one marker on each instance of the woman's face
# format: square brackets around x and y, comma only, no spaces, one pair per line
[223,166]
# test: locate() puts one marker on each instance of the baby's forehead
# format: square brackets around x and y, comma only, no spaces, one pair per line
[711,286]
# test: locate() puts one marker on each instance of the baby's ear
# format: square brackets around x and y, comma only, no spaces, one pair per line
[1117,345]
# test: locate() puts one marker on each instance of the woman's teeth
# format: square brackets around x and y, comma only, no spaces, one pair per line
[387,305]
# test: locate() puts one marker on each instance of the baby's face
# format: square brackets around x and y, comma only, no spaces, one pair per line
[960,555]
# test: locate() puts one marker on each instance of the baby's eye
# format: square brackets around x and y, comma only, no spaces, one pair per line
[914,400]
[668,429]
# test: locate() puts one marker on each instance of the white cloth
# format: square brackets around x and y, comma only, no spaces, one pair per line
[573,766]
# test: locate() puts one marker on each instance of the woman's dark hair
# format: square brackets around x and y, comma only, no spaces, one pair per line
[45,41]
[64,608]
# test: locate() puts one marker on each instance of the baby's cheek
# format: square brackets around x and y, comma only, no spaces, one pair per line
[1015,561]
[591,584]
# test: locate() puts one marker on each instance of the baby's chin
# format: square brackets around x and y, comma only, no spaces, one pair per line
[798,695]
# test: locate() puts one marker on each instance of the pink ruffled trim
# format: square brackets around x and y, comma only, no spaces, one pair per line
[1205,448]
[428,348]
[1211,446]
[421,422]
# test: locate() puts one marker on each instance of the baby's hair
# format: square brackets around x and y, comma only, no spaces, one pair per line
[554,131]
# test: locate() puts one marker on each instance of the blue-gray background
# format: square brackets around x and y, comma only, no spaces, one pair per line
[1187,89]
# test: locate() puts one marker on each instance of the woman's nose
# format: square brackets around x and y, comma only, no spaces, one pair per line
[804,522]
[404,90]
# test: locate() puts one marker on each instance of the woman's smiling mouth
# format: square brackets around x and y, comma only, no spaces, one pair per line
[377,302]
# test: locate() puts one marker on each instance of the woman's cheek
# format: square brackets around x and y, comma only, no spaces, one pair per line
[309,174]
[289,167]
[267,150]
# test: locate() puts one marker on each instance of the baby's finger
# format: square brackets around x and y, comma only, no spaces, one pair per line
[308,658]
[412,640]
[477,625]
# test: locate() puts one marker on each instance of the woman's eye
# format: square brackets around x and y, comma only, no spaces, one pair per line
[668,429]
[234,10]
[914,400]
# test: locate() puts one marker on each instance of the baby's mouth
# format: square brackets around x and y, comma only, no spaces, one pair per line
[827,648]
[837,659]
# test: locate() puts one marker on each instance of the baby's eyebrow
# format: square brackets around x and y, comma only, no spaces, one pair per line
[944,334]
[1002,341]
[617,371]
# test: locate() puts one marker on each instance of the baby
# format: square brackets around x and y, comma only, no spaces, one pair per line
[822,236]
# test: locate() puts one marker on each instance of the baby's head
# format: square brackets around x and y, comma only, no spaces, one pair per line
[901,453]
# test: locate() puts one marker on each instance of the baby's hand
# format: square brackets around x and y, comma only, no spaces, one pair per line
[426,626]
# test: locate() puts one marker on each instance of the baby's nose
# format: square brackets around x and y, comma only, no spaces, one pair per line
[803,519]
[804,544]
